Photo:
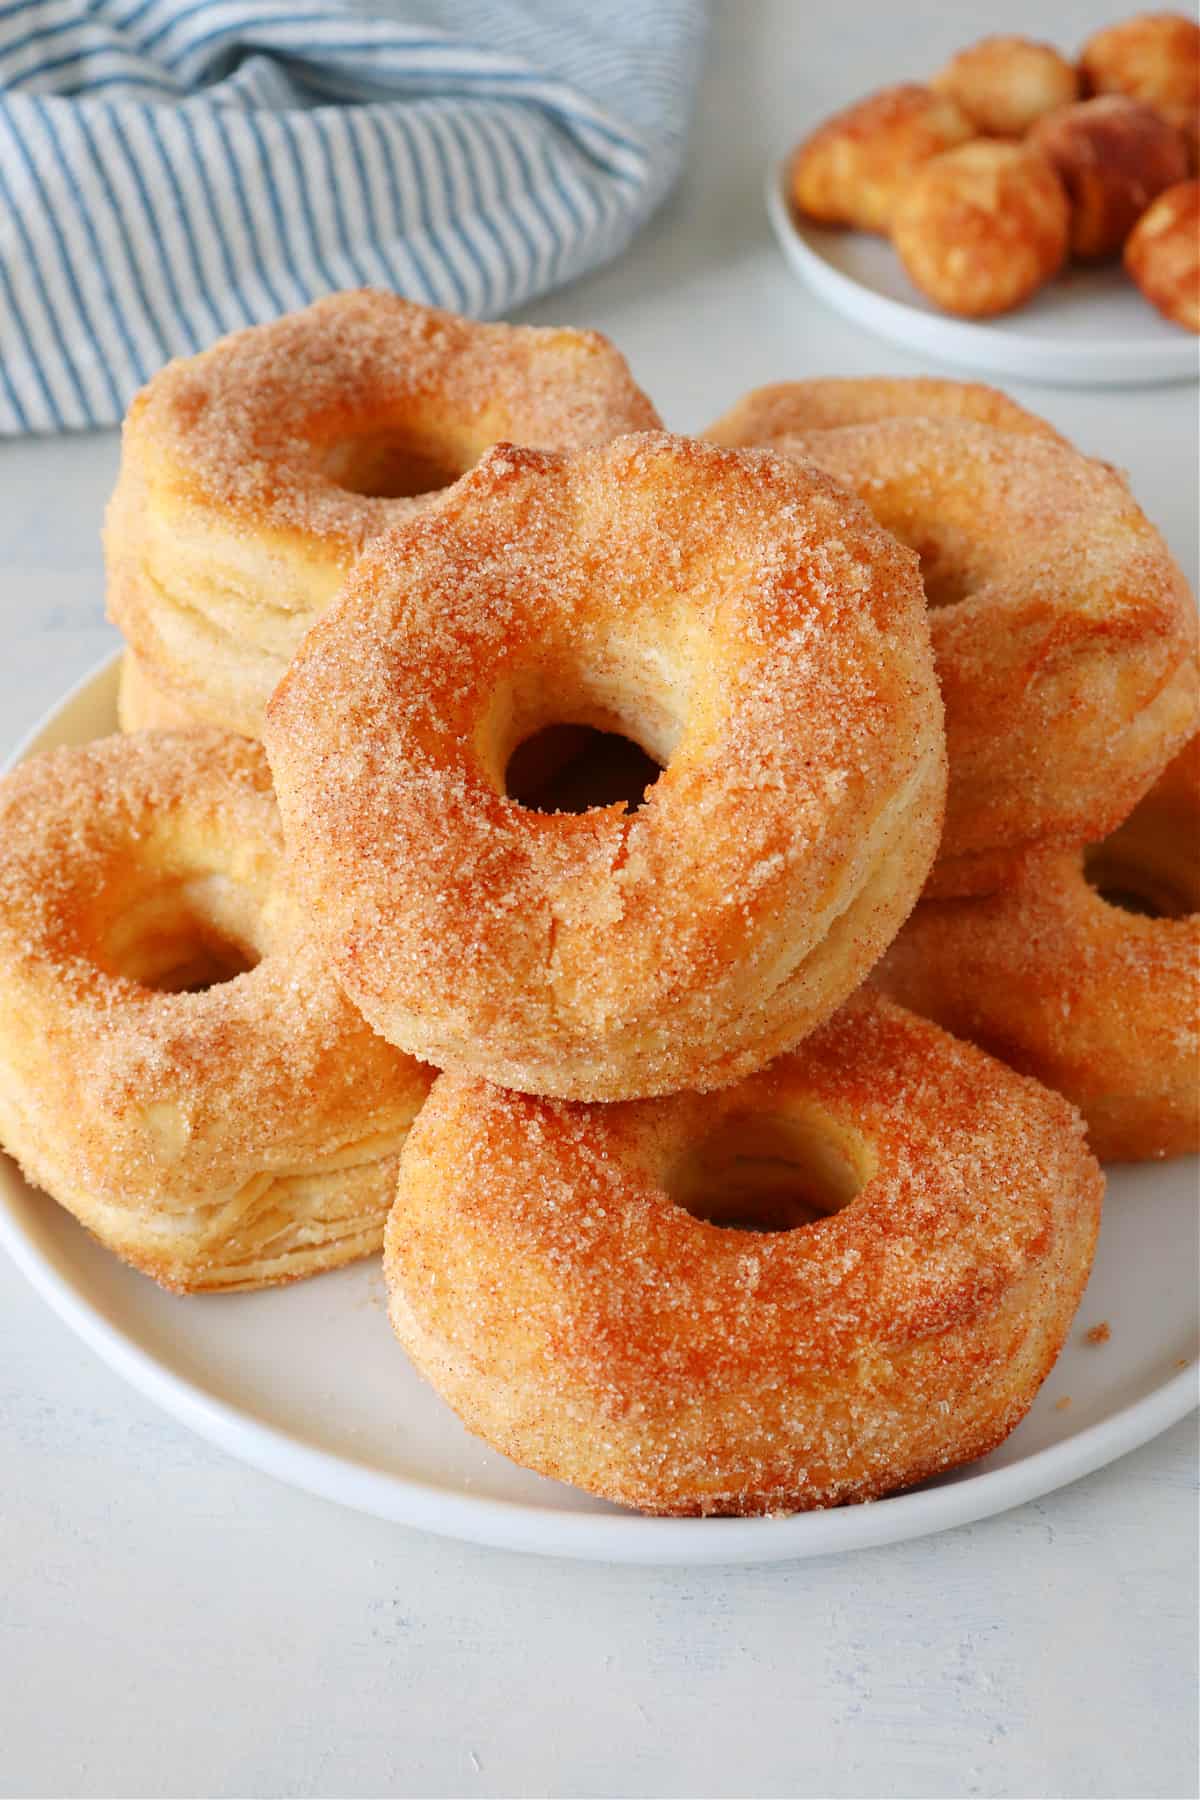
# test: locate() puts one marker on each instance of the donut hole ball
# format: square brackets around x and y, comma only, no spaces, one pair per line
[981,228]
[393,466]
[1113,156]
[771,1172]
[1153,57]
[1005,84]
[851,169]
[1162,254]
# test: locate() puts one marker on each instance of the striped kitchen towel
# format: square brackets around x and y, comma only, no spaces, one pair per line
[172,169]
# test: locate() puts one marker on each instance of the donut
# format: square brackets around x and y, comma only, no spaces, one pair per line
[766,415]
[253,474]
[1004,84]
[1063,631]
[1162,253]
[142,705]
[178,1068]
[849,1272]
[981,228]
[1085,972]
[1154,57]
[697,602]
[1113,155]
[852,167]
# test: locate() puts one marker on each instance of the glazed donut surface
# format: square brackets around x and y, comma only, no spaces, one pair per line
[580,1285]
[1056,975]
[177,1067]
[1063,631]
[741,619]
[252,475]
[768,415]
[851,169]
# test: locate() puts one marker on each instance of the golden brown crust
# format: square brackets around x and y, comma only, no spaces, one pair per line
[1112,155]
[221,1139]
[1064,632]
[1005,84]
[544,1279]
[1099,1002]
[744,621]
[852,167]
[981,228]
[144,704]
[1163,254]
[252,475]
[1154,57]
[767,415]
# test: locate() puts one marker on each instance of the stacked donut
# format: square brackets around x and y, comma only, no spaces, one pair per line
[598,769]
[1013,159]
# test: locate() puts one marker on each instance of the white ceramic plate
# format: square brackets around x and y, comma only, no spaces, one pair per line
[307,1382]
[1087,328]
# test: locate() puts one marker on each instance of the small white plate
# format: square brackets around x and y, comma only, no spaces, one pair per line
[308,1384]
[1086,328]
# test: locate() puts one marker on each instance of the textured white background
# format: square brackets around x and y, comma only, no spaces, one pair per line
[172,1623]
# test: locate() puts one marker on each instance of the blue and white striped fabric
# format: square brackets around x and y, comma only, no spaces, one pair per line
[172,169]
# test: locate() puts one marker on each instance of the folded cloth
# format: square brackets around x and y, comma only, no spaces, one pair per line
[172,169]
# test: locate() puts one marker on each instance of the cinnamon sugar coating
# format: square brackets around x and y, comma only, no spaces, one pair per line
[219,1139]
[1095,1000]
[850,170]
[744,621]
[767,415]
[253,474]
[545,1277]
[1064,633]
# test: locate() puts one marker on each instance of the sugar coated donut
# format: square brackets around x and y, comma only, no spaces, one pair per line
[981,228]
[1057,975]
[1004,84]
[1112,155]
[740,618]
[142,705]
[177,1067]
[852,167]
[1162,254]
[838,1277]
[1153,57]
[253,474]
[767,415]
[1063,630]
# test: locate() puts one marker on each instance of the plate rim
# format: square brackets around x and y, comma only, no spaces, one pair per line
[628,1538]
[974,344]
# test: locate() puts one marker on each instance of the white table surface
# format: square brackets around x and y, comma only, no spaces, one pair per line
[172,1623]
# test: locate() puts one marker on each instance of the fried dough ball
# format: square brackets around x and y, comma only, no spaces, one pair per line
[853,166]
[1154,57]
[1163,254]
[1005,84]
[1113,155]
[983,227]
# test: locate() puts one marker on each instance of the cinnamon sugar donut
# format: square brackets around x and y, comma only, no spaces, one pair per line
[1061,978]
[177,1067]
[1063,631]
[1153,57]
[852,167]
[768,415]
[1112,155]
[1004,84]
[252,475]
[983,227]
[1162,254]
[142,705]
[843,1275]
[741,619]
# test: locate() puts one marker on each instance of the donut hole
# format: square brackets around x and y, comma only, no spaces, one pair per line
[572,768]
[772,1172]
[1166,886]
[185,936]
[946,572]
[392,466]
